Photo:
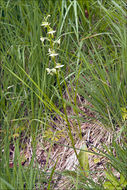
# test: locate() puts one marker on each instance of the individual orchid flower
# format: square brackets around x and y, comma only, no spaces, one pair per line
[43,39]
[45,24]
[51,32]
[51,71]
[57,41]
[52,53]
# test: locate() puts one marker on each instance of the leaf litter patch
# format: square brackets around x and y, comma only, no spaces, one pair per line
[47,152]
[55,145]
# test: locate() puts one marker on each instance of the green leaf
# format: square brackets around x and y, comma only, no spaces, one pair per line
[7,184]
[123,181]
[51,175]
[83,159]
[107,185]
[112,179]
[124,113]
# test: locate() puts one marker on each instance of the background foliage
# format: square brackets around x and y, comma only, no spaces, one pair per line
[93,51]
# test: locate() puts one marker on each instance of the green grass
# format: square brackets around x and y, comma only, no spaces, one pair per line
[93,51]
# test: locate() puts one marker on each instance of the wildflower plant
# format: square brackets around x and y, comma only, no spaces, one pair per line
[56,70]
[52,46]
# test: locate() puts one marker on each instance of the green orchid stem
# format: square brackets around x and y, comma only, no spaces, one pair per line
[68,124]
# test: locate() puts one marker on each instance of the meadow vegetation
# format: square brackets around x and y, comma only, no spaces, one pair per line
[63,64]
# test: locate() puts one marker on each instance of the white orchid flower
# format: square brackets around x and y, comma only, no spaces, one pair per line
[45,24]
[43,39]
[52,53]
[51,71]
[51,31]
[58,65]
[57,41]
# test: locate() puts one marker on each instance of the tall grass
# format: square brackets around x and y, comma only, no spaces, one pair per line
[93,52]
[103,80]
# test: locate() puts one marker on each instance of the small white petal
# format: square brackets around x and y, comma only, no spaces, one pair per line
[42,39]
[58,66]
[51,32]
[48,70]
[10,86]
[58,41]
[49,50]
[53,54]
